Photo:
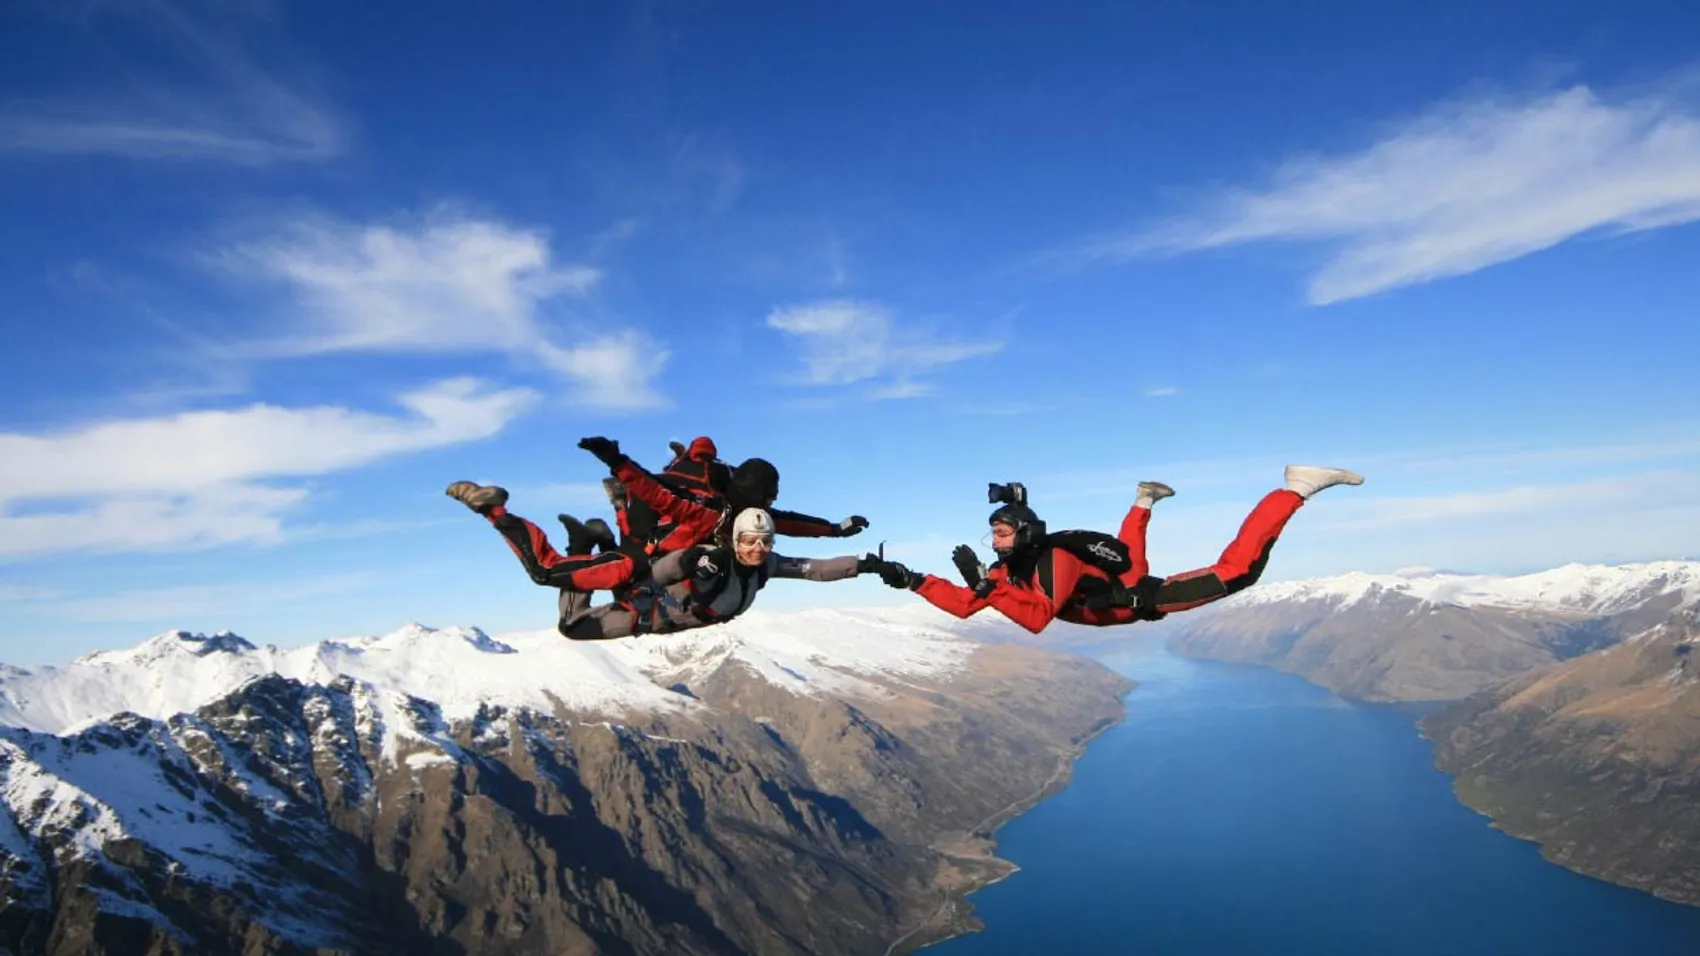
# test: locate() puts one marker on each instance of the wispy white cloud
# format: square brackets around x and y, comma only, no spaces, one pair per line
[1487,463]
[708,166]
[158,604]
[194,450]
[1004,409]
[837,262]
[1162,391]
[614,371]
[584,499]
[901,389]
[1469,184]
[1619,494]
[22,593]
[197,479]
[1651,515]
[448,283]
[231,109]
[845,341]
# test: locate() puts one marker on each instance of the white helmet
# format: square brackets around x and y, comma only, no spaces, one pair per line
[753,521]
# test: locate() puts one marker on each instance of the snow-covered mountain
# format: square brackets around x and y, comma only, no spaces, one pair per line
[460,669]
[1433,635]
[1590,589]
[524,793]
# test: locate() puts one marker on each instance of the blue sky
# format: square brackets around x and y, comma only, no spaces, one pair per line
[277,273]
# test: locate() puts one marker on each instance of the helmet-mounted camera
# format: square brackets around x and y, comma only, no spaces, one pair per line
[1014,493]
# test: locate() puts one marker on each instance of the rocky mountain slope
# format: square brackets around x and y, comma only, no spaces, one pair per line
[810,782]
[1597,759]
[1425,635]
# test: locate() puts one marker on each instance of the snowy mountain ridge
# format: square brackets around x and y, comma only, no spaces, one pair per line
[431,788]
[1579,588]
[461,669]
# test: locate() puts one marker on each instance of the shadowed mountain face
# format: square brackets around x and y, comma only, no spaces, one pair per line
[1597,759]
[790,801]
[1430,636]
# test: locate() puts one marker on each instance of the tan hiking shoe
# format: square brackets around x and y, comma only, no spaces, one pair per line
[480,498]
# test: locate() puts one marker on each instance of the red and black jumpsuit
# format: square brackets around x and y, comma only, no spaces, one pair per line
[1060,585]
[699,475]
[687,524]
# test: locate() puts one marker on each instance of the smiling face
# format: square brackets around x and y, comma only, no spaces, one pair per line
[1003,537]
[752,547]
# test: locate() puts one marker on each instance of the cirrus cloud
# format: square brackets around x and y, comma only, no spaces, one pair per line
[232,109]
[845,341]
[201,479]
[448,283]
[1467,185]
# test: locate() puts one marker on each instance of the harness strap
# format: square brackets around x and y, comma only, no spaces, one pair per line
[1140,598]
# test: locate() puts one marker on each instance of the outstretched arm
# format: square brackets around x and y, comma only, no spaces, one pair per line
[951,598]
[676,566]
[795,525]
[640,484]
[817,569]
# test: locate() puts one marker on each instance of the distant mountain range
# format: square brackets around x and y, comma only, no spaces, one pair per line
[813,782]
[1429,635]
[1571,712]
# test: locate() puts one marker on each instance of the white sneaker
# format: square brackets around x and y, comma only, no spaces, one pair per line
[1151,492]
[1307,480]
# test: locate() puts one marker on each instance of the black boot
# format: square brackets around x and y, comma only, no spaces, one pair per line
[602,535]
[579,538]
[585,536]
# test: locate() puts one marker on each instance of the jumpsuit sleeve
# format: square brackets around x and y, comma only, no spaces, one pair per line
[954,598]
[676,566]
[795,525]
[689,517]
[1036,606]
[816,569]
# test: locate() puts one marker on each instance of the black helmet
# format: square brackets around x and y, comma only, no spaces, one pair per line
[754,484]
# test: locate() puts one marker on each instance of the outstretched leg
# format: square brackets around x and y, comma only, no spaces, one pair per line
[546,566]
[1243,561]
[1133,528]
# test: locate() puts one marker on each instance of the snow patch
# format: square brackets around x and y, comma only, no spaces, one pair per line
[427,758]
[20,864]
[100,788]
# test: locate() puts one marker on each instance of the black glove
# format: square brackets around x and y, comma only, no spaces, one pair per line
[985,588]
[973,571]
[896,575]
[851,526]
[891,572]
[606,449]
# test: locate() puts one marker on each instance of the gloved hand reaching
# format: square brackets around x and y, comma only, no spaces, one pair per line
[852,525]
[893,573]
[605,449]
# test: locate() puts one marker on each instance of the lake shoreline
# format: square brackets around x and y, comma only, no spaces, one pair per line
[955,915]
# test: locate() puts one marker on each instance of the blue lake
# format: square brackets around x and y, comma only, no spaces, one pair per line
[1240,810]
